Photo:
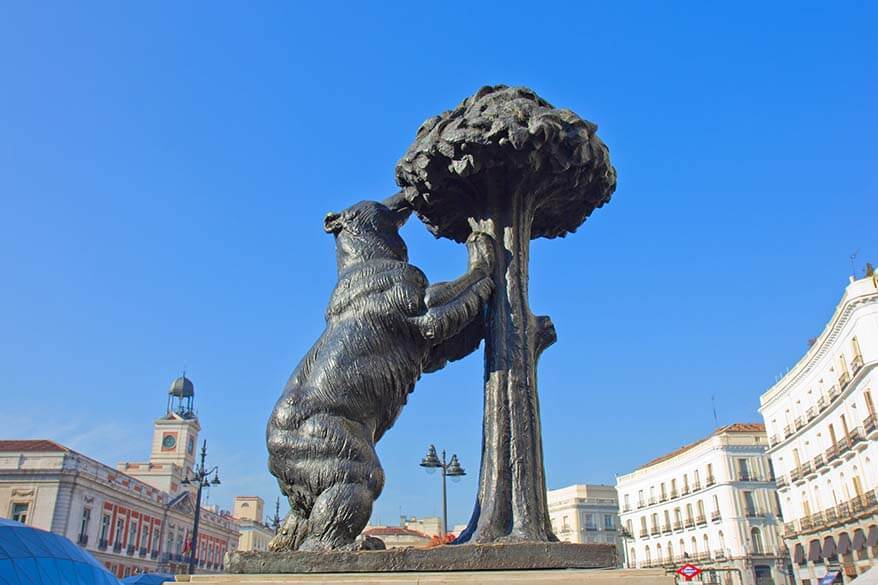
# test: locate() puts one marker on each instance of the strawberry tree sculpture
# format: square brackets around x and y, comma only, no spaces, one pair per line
[507,163]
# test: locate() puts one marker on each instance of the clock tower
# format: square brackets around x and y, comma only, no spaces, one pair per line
[174,441]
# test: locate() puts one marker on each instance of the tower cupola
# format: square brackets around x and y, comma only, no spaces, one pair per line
[181,397]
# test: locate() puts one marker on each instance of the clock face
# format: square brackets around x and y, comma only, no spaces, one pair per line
[169,442]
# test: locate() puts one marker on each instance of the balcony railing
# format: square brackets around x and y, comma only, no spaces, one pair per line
[800,422]
[754,513]
[796,474]
[719,554]
[781,482]
[666,529]
[834,391]
[82,540]
[154,554]
[626,508]
[102,544]
[142,552]
[822,403]
[674,494]
[870,423]
[690,522]
[696,486]
[130,549]
[715,515]
[843,380]
[787,431]
[710,480]
[652,501]
[856,435]
[811,413]
[644,533]
[117,547]
[654,531]
[806,468]
[685,490]
[641,504]
[700,519]
[663,498]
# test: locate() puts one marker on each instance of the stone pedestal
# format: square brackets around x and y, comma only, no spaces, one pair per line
[467,557]
[534,577]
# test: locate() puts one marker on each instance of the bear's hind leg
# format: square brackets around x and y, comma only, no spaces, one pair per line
[339,515]
[291,534]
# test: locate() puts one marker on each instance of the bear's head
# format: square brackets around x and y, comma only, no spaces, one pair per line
[369,229]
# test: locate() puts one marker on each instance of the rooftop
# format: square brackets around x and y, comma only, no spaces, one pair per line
[393,531]
[32,445]
[732,428]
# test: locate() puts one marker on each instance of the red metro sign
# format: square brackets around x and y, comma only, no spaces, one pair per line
[689,571]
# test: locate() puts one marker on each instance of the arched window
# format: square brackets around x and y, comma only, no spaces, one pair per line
[632,557]
[670,551]
[722,541]
[682,548]
[648,555]
[694,551]
[756,538]
[706,544]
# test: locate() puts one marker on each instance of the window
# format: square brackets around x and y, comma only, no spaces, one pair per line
[688,512]
[858,486]
[685,484]
[132,533]
[609,522]
[120,527]
[749,504]
[697,480]
[19,511]
[670,551]
[648,556]
[144,537]
[640,498]
[678,516]
[694,550]
[664,492]
[155,538]
[629,526]
[756,539]
[870,406]
[667,519]
[105,528]
[844,425]
[564,524]
[643,524]
[589,521]
[832,438]
[706,543]
[627,503]
[673,488]
[743,469]
[83,523]
[700,508]
[655,522]
[710,472]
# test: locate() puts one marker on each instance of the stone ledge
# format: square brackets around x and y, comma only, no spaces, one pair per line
[465,557]
[537,577]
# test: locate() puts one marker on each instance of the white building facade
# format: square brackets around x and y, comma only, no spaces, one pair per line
[712,503]
[821,422]
[586,513]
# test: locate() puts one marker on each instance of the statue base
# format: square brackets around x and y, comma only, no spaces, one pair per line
[535,577]
[463,557]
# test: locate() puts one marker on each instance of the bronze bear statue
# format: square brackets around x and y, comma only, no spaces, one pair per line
[385,326]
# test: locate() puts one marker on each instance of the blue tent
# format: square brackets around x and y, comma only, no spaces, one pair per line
[149,579]
[29,556]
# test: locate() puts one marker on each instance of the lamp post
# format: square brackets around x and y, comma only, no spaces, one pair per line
[450,469]
[201,473]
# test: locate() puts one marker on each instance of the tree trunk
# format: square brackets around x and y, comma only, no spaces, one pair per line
[511,502]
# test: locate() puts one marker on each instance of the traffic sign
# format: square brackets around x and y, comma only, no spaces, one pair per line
[689,571]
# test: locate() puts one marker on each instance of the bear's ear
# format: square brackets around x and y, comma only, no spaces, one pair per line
[332,223]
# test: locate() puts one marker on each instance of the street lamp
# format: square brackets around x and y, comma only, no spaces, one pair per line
[450,469]
[201,475]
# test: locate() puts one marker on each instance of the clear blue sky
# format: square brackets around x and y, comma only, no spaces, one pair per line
[165,168]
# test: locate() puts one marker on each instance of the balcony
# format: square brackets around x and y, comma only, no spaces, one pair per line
[690,523]
[806,469]
[719,554]
[641,504]
[856,364]
[654,531]
[102,544]
[666,529]
[796,474]
[787,431]
[591,528]
[652,501]
[700,519]
[773,440]
[754,513]
[822,403]
[141,552]
[715,515]
[781,482]
[843,380]
[870,424]
[130,549]
[811,413]
[663,498]
[685,491]
[790,530]
[818,462]
[154,554]
[800,422]
[626,508]
[696,486]
[678,525]
[856,436]
[643,533]
[710,480]
[82,540]
[674,494]
[834,391]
